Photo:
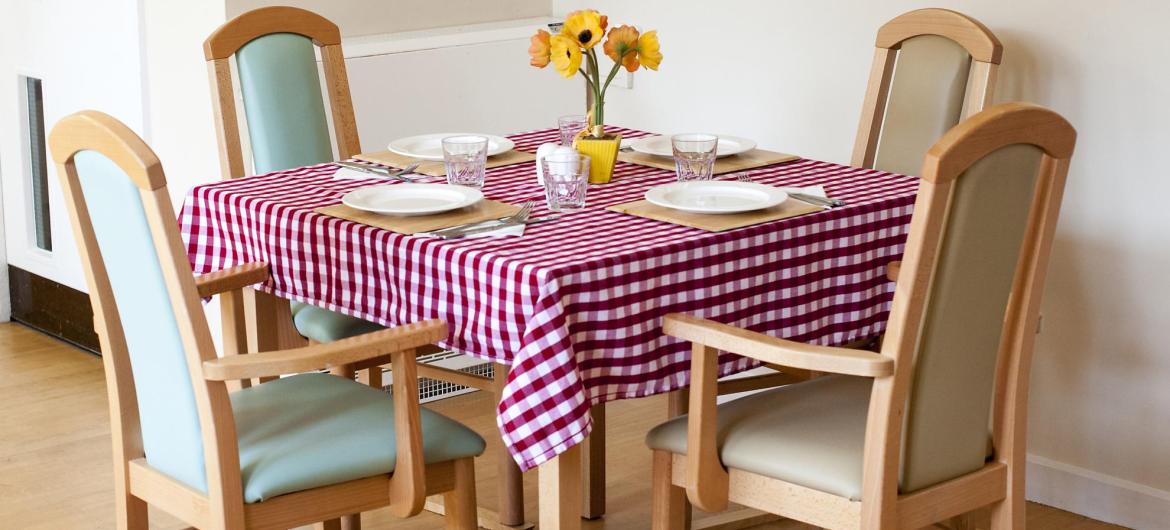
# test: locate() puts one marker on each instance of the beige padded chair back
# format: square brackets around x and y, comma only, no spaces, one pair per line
[932,68]
[926,100]
[950,398]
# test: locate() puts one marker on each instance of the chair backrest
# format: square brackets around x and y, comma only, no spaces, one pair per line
[152,329]
[285,113]
[967,301]
[932,68]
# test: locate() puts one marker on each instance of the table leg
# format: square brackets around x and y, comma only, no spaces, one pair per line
[560,491]
[593,464]
[509,478]
[269,323]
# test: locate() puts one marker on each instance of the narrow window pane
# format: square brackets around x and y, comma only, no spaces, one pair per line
[38,162]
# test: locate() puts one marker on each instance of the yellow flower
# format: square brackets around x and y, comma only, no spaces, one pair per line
[622,46]
[586,27]
[565,54]
[648,50]
[539,49]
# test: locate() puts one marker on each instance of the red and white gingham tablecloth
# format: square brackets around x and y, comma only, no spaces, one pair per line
[576,306]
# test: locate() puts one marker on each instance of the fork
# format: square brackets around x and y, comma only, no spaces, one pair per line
[520,216]
[396,174]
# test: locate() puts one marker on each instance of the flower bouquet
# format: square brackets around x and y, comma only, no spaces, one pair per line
[574,50]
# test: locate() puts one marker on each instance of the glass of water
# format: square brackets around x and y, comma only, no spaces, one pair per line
[566,179]
[694,155]
[466,157]
[571,125]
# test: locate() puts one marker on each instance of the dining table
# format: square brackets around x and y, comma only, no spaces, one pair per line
[573,308]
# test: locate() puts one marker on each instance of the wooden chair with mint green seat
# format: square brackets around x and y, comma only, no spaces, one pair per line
[297,450]
[899,439]
[285,113]
[932,68]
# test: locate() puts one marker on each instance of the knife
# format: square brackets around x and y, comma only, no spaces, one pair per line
[490,228]
[385,173]
[819,201]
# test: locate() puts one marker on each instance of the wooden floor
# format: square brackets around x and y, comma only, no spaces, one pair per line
[55,470]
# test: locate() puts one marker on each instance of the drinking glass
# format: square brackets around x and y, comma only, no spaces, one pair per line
[466,157]
[694,155]
[571,125]
[566,179]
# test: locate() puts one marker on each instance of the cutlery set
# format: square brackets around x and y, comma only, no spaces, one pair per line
[521,217]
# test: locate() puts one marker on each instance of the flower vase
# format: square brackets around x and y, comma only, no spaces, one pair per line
[603,153]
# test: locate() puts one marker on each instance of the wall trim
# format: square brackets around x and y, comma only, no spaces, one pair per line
[1096,495]
[429,39]
[52,308]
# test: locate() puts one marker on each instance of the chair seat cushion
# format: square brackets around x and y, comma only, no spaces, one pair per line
[312,430]
[323,325]
[810,433]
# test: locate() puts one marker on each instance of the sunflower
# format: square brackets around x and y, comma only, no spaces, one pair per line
[565,55]
[585,27]
[648,50]
[539,49]
[622,47]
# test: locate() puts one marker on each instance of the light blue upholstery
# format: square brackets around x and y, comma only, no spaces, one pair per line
[285,112]
[283,104]
[312,430]
[323,325]
[171,433]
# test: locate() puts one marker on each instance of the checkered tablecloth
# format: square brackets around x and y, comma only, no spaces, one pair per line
[576,306]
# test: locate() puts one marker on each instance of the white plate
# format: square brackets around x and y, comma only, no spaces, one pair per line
[716,196]
[430,146]
[660,145]
[411,199]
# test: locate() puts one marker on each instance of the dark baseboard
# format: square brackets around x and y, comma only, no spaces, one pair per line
[55,309]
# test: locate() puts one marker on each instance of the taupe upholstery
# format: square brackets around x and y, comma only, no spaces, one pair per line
[809,433]
[954,373]
[926,100]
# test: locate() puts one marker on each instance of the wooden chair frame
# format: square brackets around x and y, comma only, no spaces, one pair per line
[1000,483]
[222,507]
[234,34]
[986,53]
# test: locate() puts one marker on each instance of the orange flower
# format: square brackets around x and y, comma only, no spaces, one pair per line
[539,49]
[622,46]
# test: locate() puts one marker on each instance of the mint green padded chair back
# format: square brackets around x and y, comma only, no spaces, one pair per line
[283,105]
[171,433]
[946,433]
[926,100]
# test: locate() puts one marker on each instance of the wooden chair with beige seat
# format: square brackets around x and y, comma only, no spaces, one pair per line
[932,69]
[897,439]
[297,450]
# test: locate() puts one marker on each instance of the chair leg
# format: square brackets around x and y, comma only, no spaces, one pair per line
[331,524]
[459,503]
[1008,514]
[669,504]
[132,513]
[352,521]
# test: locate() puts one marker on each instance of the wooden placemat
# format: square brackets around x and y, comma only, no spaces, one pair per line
[715,222]
[438,168]
[481,211]
[728,164]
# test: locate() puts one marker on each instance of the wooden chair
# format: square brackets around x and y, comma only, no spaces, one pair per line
[900,438]
[932,69]
[297,450]
[285,115]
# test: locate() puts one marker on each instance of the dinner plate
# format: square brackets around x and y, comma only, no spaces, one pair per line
[716,196]
[430,146]
[660,145]
[411,199]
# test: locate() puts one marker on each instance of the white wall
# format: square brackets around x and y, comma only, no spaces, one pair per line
[86,54]
[372,17]
[792,74]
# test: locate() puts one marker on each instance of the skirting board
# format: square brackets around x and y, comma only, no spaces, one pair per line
[1096,495]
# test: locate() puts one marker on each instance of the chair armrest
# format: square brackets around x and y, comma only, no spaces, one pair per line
[237,277]
[777,351]
[892,270]
[319,356]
